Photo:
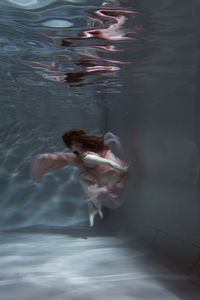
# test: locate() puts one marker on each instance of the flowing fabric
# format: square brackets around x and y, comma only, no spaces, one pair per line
[51,162]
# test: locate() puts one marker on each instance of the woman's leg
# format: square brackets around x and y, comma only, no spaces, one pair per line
[94,207]
[93,191]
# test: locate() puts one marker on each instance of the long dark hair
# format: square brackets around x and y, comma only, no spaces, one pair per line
[93,143]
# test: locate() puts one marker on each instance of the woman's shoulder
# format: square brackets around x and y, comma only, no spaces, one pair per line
[89,153]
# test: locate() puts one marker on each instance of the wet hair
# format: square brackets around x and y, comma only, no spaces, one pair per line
[93,143]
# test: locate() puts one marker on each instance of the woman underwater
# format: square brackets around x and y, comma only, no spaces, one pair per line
[102,172]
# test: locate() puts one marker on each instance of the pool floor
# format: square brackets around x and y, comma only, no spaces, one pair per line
[58,265]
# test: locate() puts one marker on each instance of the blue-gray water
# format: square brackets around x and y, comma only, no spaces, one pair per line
[62,68]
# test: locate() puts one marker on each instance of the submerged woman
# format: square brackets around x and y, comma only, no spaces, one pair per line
[102,172]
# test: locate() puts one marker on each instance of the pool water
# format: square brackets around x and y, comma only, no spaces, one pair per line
[130,67]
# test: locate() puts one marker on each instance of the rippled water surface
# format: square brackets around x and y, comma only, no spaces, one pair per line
[79,63]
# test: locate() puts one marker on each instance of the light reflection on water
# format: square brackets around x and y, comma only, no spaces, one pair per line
[36,4]
[64,36]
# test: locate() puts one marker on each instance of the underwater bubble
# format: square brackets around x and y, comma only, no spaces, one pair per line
[57,23]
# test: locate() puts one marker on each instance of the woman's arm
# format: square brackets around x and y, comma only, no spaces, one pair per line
[90,158]
[111,138]
[51,162]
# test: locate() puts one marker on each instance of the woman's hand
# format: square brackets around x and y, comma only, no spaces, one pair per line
[125,169]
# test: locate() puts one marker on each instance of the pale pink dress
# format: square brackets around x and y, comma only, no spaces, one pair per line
[98,175]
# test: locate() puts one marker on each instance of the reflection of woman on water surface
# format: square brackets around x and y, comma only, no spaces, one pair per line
[102,174]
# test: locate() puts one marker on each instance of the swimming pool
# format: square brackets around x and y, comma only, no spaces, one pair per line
[130,67]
